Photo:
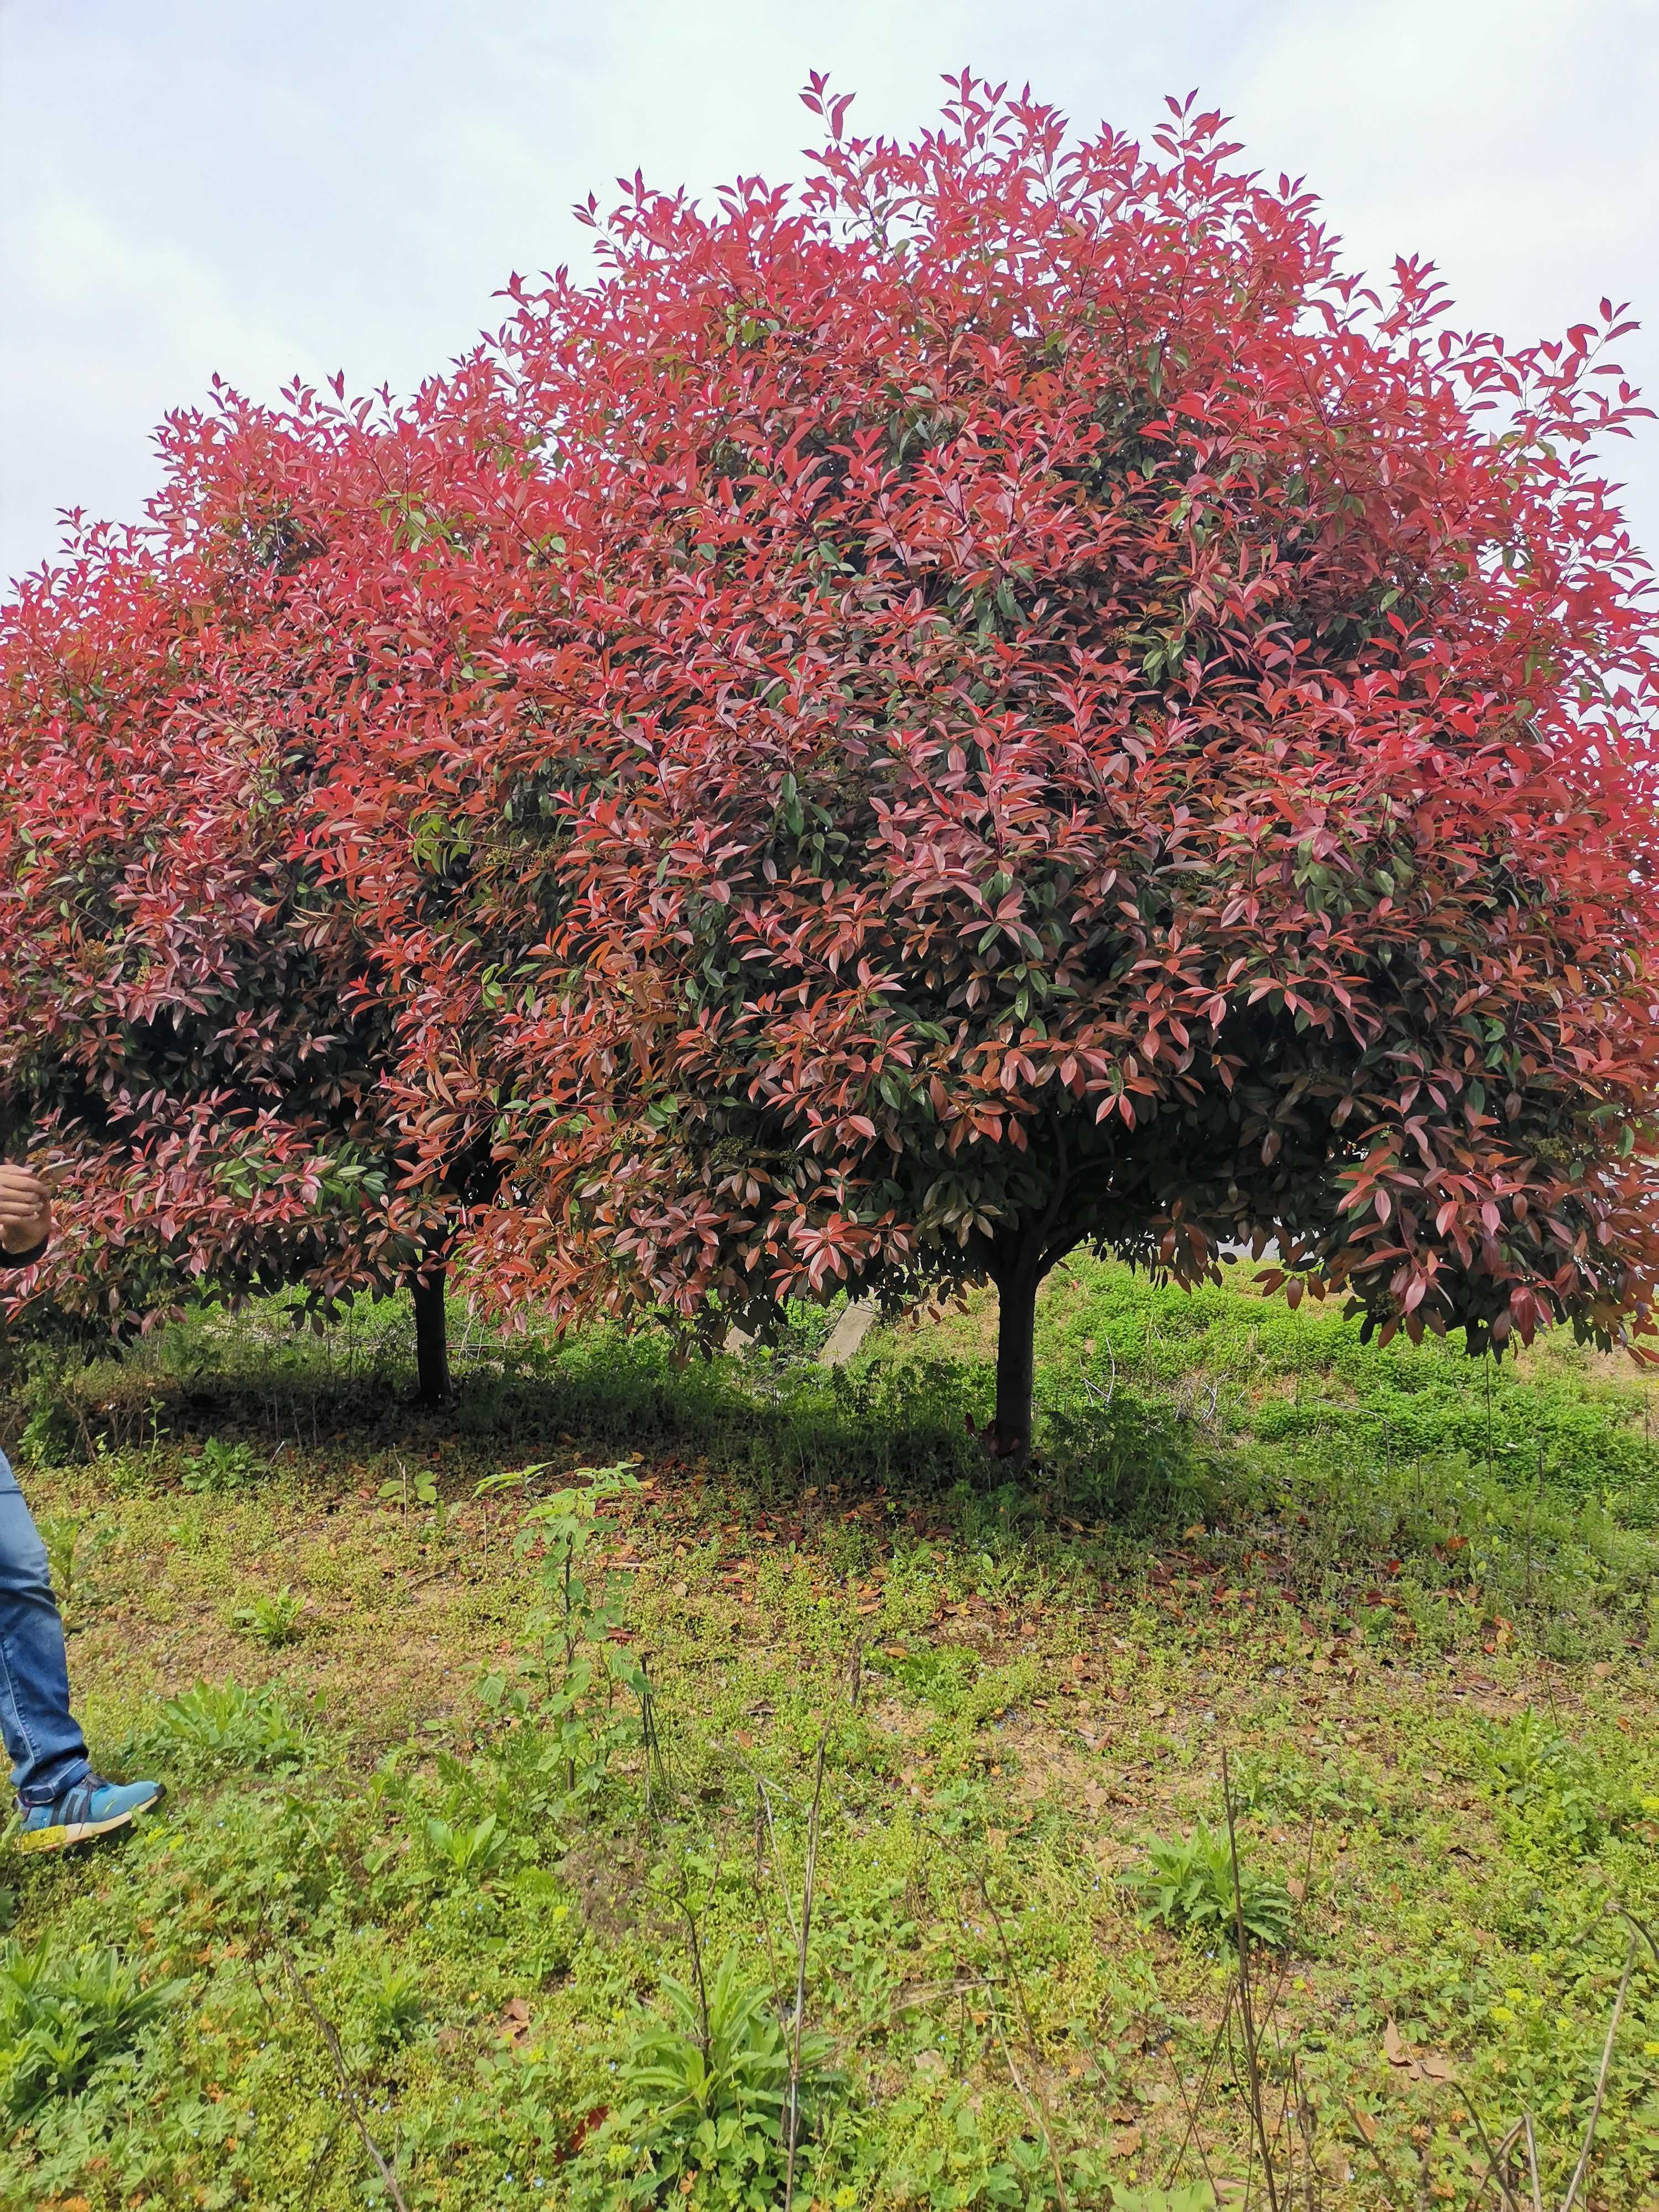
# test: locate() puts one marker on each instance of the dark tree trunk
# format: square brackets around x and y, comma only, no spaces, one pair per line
[431,1337]
[1017,1289]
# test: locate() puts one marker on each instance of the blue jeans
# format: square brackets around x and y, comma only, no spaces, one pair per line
[48,1752]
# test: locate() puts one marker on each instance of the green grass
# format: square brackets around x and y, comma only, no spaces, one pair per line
[444,1862]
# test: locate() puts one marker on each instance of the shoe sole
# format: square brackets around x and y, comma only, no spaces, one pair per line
[65,1836]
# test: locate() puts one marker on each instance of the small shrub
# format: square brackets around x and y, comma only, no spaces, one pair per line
[121,1471]
[69,1554]
[273,1620]
[49,1435]
[221,1470]
[1189,1887]
[568,1669]
[61,2016]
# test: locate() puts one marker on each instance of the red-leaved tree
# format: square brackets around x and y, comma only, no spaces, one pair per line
[197,1019]
[997,703]
[1077,723]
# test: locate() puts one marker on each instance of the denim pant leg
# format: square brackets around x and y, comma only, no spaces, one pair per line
[48,1752]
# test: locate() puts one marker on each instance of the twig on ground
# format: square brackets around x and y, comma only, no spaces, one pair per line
[705,2034]
[1496,2159]
[1304,2121]
[1246,2002]
[1583,2167]
[1396,2194]
[348,2086]
[1032,2104]
[314,2172]
[1018,1988]
[656,1764]
[1193,2107]
[760,1894]
[1532,2163]
[808,1882]
[764,1792]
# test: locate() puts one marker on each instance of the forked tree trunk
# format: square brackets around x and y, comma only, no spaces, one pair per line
[1017,1289]
[431,1337]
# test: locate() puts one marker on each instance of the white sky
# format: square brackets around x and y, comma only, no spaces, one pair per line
[266,190]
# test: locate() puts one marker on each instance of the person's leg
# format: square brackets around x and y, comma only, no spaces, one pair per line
[48,1753]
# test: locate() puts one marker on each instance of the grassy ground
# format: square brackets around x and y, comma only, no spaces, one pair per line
[492,1817]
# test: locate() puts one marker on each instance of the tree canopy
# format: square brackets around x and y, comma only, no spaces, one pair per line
[1000,701]
[1087,724]
[199,1020]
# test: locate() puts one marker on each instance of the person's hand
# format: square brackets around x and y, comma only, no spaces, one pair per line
[25,1208]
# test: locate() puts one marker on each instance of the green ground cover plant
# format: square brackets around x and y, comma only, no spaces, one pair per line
[679,1763]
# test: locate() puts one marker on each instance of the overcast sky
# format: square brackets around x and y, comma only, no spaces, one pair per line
[270,191]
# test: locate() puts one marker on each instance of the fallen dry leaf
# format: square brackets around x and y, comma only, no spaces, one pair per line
[1423,2066]
[1125,2142]
[514,2023]
[586,2126]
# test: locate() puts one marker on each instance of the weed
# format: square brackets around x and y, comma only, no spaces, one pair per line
[405,1490]
[395,2002]
[1300,1790]
[273,1620]
[221,1470]
[61,2015]
[475,1853]
[49,1435]
[121,1471]
[707,2091]
[223,1725]
[942,1674]
[1561,1800]
[1188,1887]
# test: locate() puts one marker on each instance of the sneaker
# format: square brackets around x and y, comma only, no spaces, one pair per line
[88,1808]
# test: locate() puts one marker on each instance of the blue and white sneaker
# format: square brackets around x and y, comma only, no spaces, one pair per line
[88,1808]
